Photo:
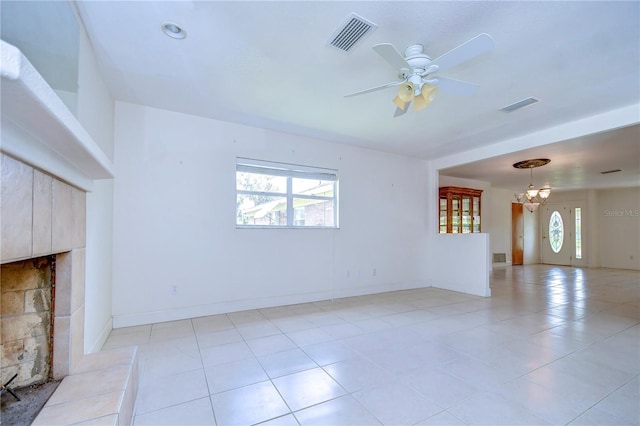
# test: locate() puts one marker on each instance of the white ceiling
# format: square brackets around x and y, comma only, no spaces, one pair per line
[269,64]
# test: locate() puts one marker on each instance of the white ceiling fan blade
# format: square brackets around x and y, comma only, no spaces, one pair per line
[470,49]
[373,89]
[391,55]
[455,87]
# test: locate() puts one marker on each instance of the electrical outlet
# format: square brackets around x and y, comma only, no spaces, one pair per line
[375,272]
[174,290]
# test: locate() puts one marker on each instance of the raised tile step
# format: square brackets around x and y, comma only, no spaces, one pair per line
[101,391]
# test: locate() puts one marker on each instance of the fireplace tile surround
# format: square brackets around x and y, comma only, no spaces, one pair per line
[41,215]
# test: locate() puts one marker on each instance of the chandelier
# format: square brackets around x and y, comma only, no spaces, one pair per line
[532,197]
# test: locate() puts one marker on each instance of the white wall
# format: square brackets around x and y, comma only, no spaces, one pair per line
[618,217]
[461,263]
[499,214]
[95,113]
[593,230]
[174,221]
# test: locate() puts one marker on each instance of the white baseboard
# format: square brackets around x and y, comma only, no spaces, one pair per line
[102,337]
[141,318]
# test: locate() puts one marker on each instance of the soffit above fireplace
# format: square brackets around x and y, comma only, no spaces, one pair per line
[40,130]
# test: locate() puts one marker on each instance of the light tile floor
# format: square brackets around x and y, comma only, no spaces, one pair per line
[554,345]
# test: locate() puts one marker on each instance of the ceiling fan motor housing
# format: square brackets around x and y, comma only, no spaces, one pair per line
[419,62]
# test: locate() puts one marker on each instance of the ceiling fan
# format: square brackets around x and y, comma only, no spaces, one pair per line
[416,69]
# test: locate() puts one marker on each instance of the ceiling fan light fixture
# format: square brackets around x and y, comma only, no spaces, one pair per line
[400,103]
[425,97]
[429,92]
[419,103]
[406,91]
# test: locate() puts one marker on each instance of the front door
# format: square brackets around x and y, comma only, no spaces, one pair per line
[556,234]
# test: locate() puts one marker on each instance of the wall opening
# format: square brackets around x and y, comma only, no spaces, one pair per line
[26,313]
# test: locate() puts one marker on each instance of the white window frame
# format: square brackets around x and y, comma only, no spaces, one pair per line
[289,171]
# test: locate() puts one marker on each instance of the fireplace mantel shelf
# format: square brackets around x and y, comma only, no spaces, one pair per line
[40,129]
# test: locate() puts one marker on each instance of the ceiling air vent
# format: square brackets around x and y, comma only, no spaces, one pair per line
[520,104]
[351,32]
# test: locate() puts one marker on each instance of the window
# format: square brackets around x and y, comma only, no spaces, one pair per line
[556,232]
[285,195]
[578,233]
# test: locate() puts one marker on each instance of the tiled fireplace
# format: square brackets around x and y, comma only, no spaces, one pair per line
[42,226]
[48,161]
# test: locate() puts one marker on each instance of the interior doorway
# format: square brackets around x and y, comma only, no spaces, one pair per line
[517,234]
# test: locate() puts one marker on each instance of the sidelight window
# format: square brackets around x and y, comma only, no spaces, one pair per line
[578,231]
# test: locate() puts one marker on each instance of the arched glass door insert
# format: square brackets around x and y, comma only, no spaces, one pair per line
[556,232]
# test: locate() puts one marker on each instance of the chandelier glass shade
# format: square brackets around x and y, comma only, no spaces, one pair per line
[532,198]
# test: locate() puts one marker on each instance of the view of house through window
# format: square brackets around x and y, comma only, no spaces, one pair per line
[285,195]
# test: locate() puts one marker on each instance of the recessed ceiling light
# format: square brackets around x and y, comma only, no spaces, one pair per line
[173,30]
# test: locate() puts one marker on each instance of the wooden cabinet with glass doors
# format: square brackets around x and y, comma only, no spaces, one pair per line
[459,210]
